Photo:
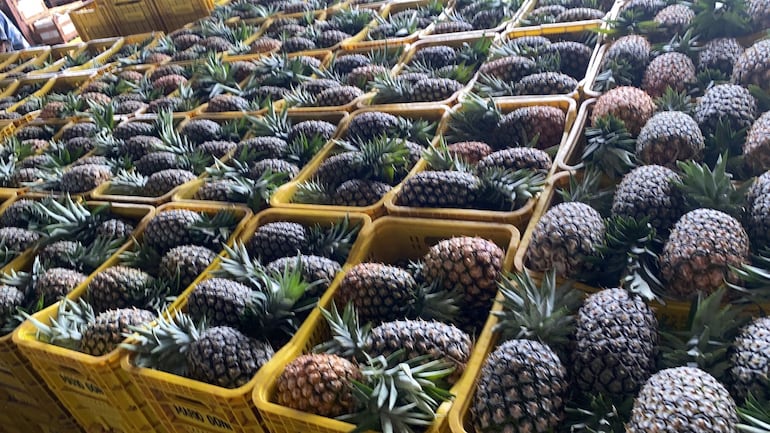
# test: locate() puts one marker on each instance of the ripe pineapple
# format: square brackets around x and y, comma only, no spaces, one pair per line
[668,137]
[631,105]
[701,247]
[469,151]
[563,239]
[470,265]
[683,399]
[673,70]
[522,125]
[750,360]
[328,392]
[54,283]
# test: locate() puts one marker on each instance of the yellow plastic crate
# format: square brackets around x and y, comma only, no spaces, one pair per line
[27,388]
[448,40]
[282,198]
[519,217]
[388,239]
[570,153]
[556,31]
[134,16]
[95,389]
[28,60]
[175,15]
[186,405]
[93,21]
[385,12]
[511,21]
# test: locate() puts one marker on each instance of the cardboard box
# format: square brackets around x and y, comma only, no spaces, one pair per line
[31,10]
[56,29]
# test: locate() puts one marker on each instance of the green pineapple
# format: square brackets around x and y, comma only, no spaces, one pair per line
[668,137]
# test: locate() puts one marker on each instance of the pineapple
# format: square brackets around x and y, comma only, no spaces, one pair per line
[470,265]
[749,361]
[546,83]
[372,124]
[312,268]
[629,104]
[649,191]
[218,355]
[634,51]
[379,292]
[183,264]
[758,212]
[445,189]
[674,19]
[756,147]
[616,343]
[674,70]
[730,104]
[720,54]
[55,283]
[221,301]
[469,151]
[329,392]
[278,239]
[759,13]
[522,387]
[79,327]
[668,137]
[121,287]
[358,192]
[563,239]
[703,244]
[752,66]
[179,227]
[11,298]
[683,399]
[408,339]
[84,178]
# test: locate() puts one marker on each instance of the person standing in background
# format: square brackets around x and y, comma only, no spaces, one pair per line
[11,38]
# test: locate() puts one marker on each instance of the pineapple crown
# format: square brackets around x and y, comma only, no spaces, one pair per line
[395,396]
[686,44]
[214,230]
[726,142]
[710,331]
[381,157]
[66,219]
[165,345]
[755,415]
[489,85]
[351,20]
[477,120]
[587,188]
[313,191]
[214,77]
[510,189]
[391,89]
[597,413]
[254,192]
[281,70]
[71,104]
[103,115]
[609,147]
[543,312]
[271,124]
[754,277]
[671,100]
[615,73]
[334,241]
[759,94]
[403,24]
[86,258]
[277,308]
[303,148]
[7,170]
[629,256]
[66,329]
[704,187]
[13,148]
[716,18]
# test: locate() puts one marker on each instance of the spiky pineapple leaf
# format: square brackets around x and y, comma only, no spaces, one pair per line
[609,147]
[704,187]
[755,415]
